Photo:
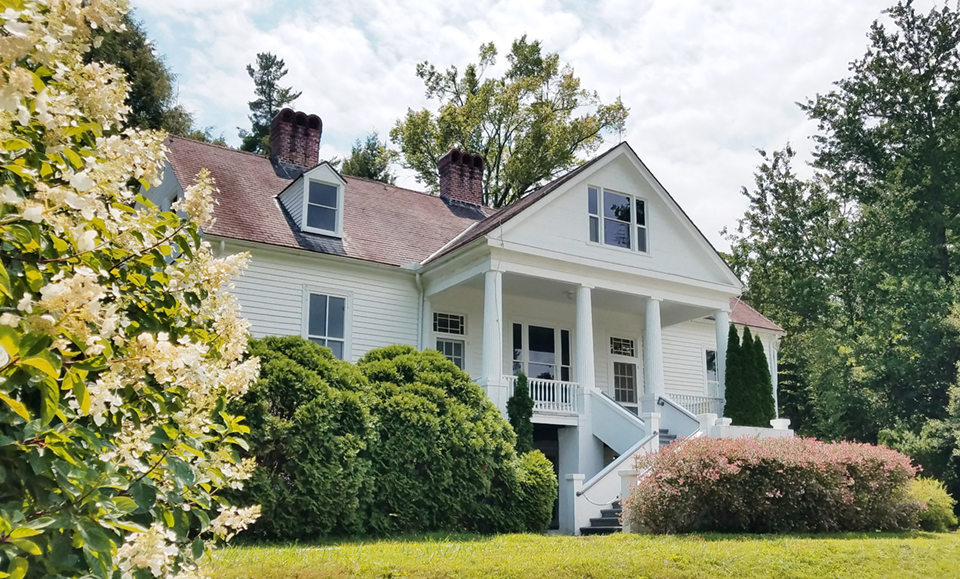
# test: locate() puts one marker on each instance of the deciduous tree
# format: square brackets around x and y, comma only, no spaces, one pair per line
[370,159]
[530,124]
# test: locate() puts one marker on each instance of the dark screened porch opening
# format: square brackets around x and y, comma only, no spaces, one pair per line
[546,440]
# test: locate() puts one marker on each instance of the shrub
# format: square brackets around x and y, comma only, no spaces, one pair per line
[772,486]
[936,506]
[120,343]
[310,424]
[520,413]
[401,442]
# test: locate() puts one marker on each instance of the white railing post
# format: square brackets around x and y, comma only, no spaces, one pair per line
[628,478]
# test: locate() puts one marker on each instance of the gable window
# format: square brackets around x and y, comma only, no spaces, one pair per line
[541,352]
[713,380]
[326,321]
[617,219]
[323,205]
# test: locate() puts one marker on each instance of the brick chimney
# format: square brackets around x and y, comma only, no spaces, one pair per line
[295,138]
[461,177]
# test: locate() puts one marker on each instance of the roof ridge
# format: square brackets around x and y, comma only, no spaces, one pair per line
[222,147]
[428,194]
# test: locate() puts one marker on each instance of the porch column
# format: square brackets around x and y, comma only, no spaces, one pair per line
[723,329]
[492,354]
[652,356]
[586,373]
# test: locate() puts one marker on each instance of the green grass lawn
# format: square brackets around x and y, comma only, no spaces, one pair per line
[557,557]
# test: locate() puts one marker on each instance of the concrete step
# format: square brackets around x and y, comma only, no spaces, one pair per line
[605,522]
[610,512]
[600,530]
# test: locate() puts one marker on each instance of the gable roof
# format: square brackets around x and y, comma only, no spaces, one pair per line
[382,223]
[741,313]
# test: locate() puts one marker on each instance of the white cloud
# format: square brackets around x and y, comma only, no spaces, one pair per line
[707,81]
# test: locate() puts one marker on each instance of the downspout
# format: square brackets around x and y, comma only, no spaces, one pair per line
[419,313]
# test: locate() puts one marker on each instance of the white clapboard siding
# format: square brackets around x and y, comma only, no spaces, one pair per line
[382,304]
[684,344]
[292,200]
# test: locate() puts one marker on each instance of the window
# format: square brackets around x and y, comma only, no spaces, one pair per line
[449,324]
[713,381]
[323,201]
[624,354]
[326,322]
[619,220]
[541,352]
[452,350]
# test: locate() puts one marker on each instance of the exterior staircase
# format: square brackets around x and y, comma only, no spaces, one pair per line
[608,522]
[666,438]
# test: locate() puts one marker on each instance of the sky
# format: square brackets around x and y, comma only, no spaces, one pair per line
[708,82]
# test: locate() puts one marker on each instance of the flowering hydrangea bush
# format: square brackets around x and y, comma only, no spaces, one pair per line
[120,344]
[772,486]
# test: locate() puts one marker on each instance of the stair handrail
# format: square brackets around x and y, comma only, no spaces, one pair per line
[665,399]
[620,407]
[617,462]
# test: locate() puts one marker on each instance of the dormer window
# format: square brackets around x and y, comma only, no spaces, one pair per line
[323,208]
[617,219]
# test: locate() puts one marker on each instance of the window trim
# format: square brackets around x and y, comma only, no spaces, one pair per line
[637,359]
[347,316]
[525,346]
[441,337]
[449,312]
[633,220]
[706,380]
[306,207]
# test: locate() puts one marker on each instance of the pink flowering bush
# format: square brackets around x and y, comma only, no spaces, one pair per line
[781,485]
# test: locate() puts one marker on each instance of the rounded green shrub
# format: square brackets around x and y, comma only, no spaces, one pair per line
[535,491]
[936,505]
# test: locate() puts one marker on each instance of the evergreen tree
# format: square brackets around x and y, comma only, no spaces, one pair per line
[151,95]
[764,385]
[520,412]
[750,415]
[371,160]
[271,98]
[733,377]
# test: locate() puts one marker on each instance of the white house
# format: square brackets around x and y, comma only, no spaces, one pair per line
[597,285]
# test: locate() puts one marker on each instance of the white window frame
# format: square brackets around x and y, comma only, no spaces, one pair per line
[338,232]
[637,360]
[347,316]
[706,379]
[634,244]
[449,312]
[525,347]
[442,337]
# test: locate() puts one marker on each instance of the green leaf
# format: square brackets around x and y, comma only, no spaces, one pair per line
[144,495]
[16,406]
[198,548]
[21,532]
[10,340]
[45,361]
[15,144]
[34,277]
[125,504]
[94,537]
[181,470]
[27,545]
[49,400]
[5,282]
[73,381]
[18,568]
[74,158]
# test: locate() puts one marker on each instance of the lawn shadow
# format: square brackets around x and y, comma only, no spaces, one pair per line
[437,537]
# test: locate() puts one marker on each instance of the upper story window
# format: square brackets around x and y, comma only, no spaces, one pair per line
[617,219]
[541,352]
[323,207]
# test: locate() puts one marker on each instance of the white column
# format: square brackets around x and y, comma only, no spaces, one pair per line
[652,356]
[492,355]
[723,330]
[586,373]
[426,331]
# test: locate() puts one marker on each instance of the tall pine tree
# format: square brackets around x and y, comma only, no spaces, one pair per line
[520,413]
[271,98]
[764,385]
[733,377]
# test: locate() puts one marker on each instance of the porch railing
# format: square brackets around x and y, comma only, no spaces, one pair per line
[549,395]
[699,404]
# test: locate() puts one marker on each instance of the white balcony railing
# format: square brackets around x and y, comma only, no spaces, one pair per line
[549,395]
[699,404]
